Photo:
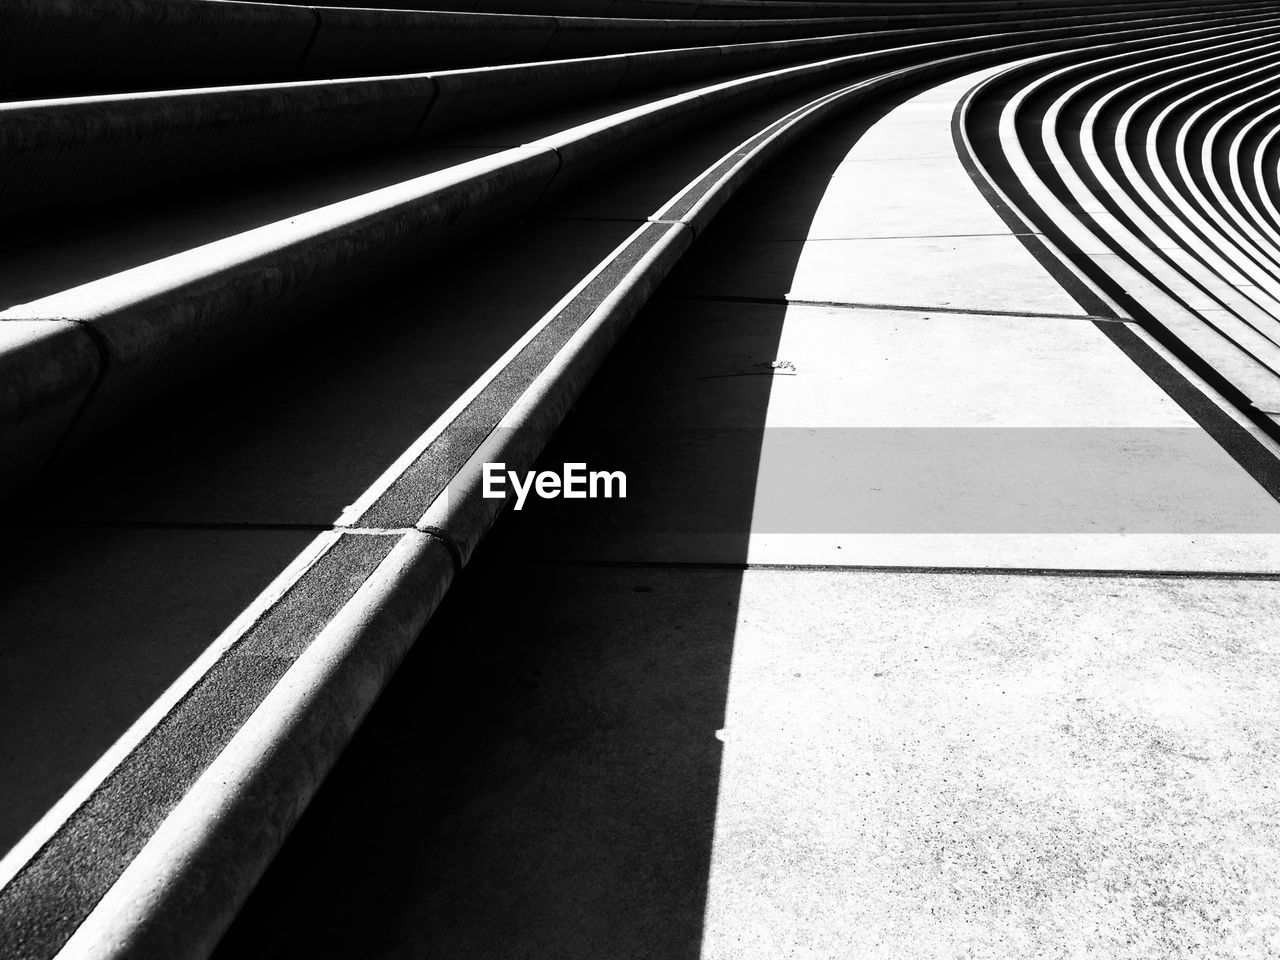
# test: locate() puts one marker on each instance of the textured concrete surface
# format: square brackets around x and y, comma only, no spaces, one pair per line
[969,766]
[92,150]
[889,764]
[488,843]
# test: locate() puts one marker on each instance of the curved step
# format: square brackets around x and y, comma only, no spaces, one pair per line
[90,151]
[1120,199]
[63,47]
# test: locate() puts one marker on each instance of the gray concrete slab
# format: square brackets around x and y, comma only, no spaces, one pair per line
[900,438]
[1266,328]
[907,140]
[535,124]
[683,762]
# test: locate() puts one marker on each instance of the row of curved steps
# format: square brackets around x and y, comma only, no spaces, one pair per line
[1155,177]
[259,340]
[67,49]
[939,620]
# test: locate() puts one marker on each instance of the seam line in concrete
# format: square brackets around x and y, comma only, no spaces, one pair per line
[1109,572]
[888,236]
[311,42]
[598,219]
[103,349]
[448,542]
[555,174]
[850,305]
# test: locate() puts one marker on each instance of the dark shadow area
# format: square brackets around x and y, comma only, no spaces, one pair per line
[97,624]
[128,563]
[299,428]
[540,779]
[296,430]
[302,428]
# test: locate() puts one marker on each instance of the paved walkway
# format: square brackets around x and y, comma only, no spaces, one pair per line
[936,624]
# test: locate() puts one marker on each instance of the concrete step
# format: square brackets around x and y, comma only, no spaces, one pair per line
[254,427]
[1126,214]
